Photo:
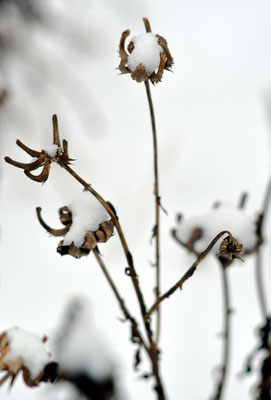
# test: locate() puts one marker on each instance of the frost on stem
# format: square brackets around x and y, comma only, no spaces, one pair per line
[196,232]
[86,223]
[147,58]
[22,351]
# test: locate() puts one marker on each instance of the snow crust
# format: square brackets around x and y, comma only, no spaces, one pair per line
[30,348]
[146,51]
[87,214]
[225,217]
[51,150]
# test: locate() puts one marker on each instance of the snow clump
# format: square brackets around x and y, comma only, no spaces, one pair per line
[224,217]
[51,150]
[146,52]
[87,214]
[29,347]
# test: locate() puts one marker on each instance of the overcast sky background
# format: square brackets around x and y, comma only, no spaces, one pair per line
[214,143]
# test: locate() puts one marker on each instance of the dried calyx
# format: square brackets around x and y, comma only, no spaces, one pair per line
[148,56]
[22,351]
[89,237]
[230,248]
[44,158]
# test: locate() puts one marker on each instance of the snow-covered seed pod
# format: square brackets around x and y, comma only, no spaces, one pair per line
[86,222]
[147,57]
[22,351]
[196,233]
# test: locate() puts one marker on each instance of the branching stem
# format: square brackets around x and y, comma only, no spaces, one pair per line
[188,274]
[135,329]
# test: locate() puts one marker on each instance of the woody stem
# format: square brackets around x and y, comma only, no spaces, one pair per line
[188,273]
[157,208]
[258,264]
[226,335]
[128,316]
[120,300]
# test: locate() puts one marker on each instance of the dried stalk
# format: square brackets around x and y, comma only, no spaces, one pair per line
[122,304]
[157,207]
[156,194]
[258,259]
[226,334]
[159,386]
[152,350]
[188,274]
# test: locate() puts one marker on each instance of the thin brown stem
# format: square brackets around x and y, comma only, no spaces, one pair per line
[121,302]
[188,274]
[258,259]
[155,367]
[226,335]
[157,207]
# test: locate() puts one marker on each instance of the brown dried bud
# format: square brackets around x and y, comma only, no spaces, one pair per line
[230,248]
[18,348]
[101,235]
[147,58]
[43,158]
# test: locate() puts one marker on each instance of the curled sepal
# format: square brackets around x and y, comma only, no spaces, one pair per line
[43,158]
[55,232]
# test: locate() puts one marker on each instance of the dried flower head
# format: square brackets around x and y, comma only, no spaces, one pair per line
[230,248]
[23,351]
[148,55]
[43,158]
[86,223]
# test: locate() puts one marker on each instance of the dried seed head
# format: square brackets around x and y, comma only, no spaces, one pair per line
[85,223]
[148,56]
[23,351]
[44,158]
[230,248]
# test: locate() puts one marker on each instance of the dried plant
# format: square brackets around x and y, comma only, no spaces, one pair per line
[142,333]
[15,357]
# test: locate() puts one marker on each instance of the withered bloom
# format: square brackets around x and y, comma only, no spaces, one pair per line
[44,158]
[230,248]
[23,351]
[79,241]
[148,55]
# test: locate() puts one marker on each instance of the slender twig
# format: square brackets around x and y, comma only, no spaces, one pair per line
[188,274]
[122,304]
[159,386]
[258,259]
[156,194]
[243,200]
[226,335]
[157,207]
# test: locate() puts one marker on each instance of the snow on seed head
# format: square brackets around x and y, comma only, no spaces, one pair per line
[146,52]
[87,215]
